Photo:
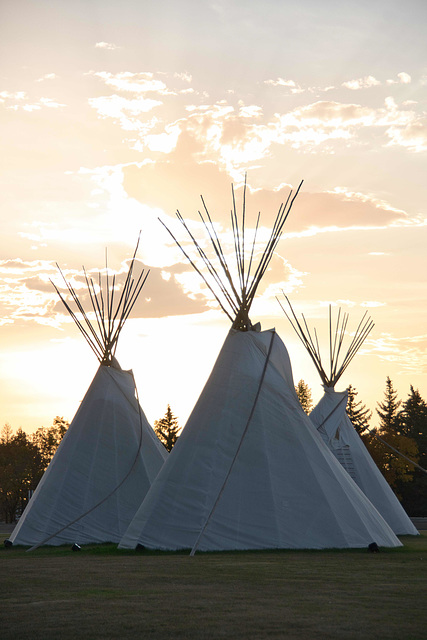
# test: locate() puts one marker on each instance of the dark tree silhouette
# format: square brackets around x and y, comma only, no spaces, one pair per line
[167,429]
[304,396]
[23,460]
[21,468]
[358,413]
[413,424]
[47,439]
[388,410]
[396,469]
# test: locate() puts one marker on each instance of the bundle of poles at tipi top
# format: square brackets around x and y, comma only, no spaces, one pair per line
[338,359]
[109,309]
[235,287]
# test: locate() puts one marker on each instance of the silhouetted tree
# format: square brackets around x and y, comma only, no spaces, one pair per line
[358,413]
[167,429]
[21,468]
[413,424]
[388,410]
[413,421]
[397,470]
[47,439]
[304,396]
[23,460]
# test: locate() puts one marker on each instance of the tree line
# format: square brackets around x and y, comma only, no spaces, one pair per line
[24,459]
[402,424]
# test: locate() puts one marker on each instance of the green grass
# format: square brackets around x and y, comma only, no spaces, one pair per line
[103,592]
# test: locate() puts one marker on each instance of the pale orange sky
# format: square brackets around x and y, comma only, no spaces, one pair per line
[113,114]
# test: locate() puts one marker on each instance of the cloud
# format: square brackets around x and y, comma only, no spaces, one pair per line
[27,295]
[413,136]
[410,353]
[126,111]
[402,78]
[361,83]
[47,76]
[280,82]
[185,76]
[325,212]
[378,253]
[163,142]
[134,82]
[7,97]
[106,45]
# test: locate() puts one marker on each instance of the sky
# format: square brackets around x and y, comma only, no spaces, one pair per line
[115,114]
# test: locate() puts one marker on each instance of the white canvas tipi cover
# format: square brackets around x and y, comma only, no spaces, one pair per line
[109,444]
[331,419]
[250,472]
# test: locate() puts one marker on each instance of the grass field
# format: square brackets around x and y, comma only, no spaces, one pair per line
[101,592]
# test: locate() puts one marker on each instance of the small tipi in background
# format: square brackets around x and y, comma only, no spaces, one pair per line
[330,418]
[110,455]
[248,470]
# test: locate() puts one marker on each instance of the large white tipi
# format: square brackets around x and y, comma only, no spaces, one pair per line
[110,455]
[335,427]
[249,471]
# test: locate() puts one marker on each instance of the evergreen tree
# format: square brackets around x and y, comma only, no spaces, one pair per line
[167,429]
[396,470]
[414,425]
[388,411]
[304,396]
[413,421]
[358,413]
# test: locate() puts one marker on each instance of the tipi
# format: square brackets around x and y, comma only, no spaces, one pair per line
[249,471]
[335,427]
[110,455]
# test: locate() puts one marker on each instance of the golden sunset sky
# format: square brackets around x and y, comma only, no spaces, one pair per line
[114,113]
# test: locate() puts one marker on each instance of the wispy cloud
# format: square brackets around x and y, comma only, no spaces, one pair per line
[410,353]
[47,76]
[25,291]
[133,82]
[290,84]
[413,136]
[21,102]
[402,78]
[361,83]
[106,45]
[126,111]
